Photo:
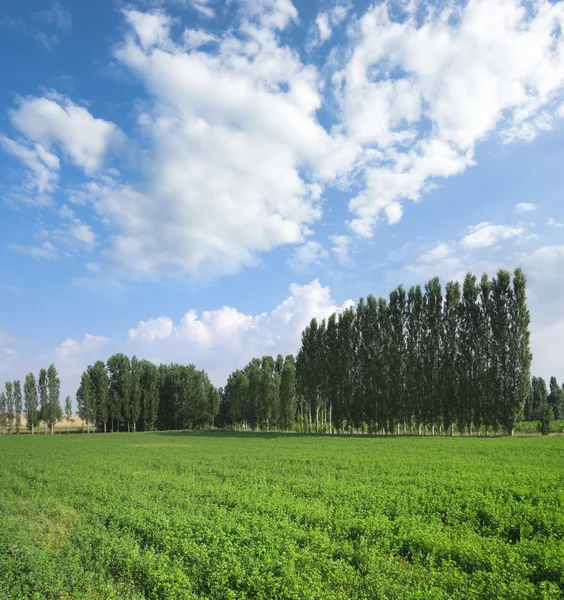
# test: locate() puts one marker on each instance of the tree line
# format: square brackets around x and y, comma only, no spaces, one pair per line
[420,360]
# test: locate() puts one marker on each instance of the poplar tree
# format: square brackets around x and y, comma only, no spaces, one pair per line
[450,358]
[520,356]
[288,394]
[414,361]
[149,381]
[43,396]
[398,409]
[556,398]
[134,405]
[9,390]
[3,413]
[68,412]
[484,398]
[468,397]
[54,412]
[18,405]
[84,400]
[30,401]
[119,369]
[100,383]
[432,312]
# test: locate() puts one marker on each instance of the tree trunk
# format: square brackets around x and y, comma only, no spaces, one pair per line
[419,429]
[104,426]
[451,429]
[135,427]
[432,430]
[52,428]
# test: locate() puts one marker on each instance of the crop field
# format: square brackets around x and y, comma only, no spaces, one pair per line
[233,515]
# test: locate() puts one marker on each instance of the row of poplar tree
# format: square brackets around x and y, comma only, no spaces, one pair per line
[39,402]
[421,360]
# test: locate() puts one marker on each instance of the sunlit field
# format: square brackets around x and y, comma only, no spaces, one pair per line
[234,515]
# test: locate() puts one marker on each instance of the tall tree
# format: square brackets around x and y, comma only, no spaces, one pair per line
[84,400]
[68,412]
[556,399]
[30,401]
[3,413]
[432,311]
[149,381]
[43,396]
[119,369]
[9,390]
[54,412]
[134,406]
[100,384]
[18,405]
[414,358]
[519,357]
[468,397]
[288,394]
[450,350]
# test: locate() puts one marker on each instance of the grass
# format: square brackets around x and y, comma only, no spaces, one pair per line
[234,515]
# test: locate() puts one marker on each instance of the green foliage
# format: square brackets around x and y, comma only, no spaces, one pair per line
[223,516]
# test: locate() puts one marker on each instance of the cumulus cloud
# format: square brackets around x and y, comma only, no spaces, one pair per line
[554,223]
[440,81]
[524,207]
[55,120]
[224,339]
[72,349]
[487,234]
[310,253]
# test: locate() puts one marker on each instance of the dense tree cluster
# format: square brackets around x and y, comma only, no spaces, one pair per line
[422,360]
[136,395]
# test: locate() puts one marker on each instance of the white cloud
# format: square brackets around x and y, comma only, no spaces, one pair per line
[310,253]
[224,339]
[523,207]
[341,247]
[439,82]
[487,234]
[75,234]
[438,253]
[151,28]
[56,16]
[326,22]
[43,166]
[46,250]
[203,7]
[57,120]
[554,223]
[72,349]
[10,352]
[237,157]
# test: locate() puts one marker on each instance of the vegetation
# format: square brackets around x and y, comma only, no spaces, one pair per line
[235,515]
[422,362]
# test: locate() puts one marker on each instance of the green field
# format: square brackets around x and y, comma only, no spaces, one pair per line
[220,515]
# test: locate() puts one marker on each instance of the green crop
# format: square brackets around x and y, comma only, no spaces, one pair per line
[220,515]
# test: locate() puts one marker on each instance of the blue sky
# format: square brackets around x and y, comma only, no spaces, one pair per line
[193,180]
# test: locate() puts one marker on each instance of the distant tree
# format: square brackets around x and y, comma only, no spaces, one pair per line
[100,383]
[68,412]
[539,397]
[84,400]
[3,413]
[133,407]
[54,412]
[288,394]
[556,399]
[545,418]
[432,310]
[119,368]
[9,387]
[30,401]
[43,396]
[149,380]
[18,405]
